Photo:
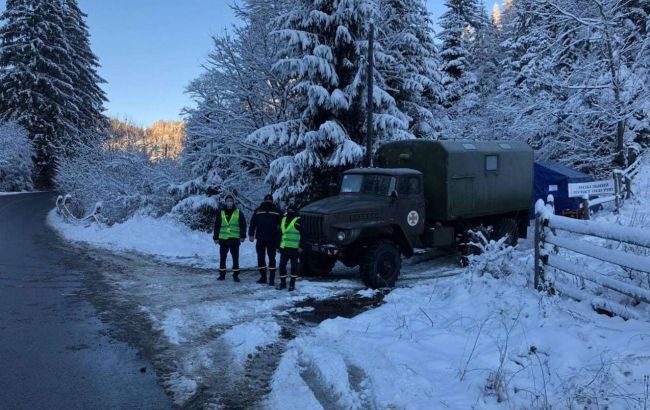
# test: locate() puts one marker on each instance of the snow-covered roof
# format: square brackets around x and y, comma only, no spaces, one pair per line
[563,170]
[483,146]
[384,171]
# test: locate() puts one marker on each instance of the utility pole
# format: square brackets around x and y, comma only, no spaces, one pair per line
[369,75]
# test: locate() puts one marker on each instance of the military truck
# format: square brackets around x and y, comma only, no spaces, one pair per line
[422,195]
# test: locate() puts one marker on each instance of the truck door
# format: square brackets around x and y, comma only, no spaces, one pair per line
[410,205]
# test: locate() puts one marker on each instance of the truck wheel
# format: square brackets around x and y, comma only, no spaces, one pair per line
[509,227]
[382,265]
[312,264]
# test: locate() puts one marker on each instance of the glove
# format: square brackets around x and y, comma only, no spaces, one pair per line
[242,240]
[250,238]
[216,241]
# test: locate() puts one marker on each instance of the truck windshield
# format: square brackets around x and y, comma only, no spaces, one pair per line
[368,184]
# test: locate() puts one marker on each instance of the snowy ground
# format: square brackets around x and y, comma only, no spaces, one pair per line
[214,344]
[468,342]
[218,344]
[162,238]
[445,338]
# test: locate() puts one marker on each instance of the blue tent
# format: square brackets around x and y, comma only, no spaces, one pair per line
[553,178]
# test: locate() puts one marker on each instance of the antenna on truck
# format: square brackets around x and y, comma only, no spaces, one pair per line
[369,105]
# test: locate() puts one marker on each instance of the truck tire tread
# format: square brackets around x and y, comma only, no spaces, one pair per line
[370,270]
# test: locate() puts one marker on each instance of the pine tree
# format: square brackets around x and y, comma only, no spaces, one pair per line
[473,117]
[412,73]
[323,47]
[91,120]
[463,27]
[460,25]
[36,88]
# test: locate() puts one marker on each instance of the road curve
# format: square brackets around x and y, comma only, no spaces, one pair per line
[54,352]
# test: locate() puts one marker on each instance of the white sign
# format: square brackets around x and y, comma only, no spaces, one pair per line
[413,218]
[592,188]
[552,188]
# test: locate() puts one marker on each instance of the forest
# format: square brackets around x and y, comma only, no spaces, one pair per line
[280,105]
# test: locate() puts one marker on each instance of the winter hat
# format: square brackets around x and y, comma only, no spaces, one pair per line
[229,197]
[292,209]
[268,198]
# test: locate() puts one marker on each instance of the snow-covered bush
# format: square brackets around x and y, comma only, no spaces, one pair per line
[196,211]
[126,181]
[491,257]
[15,158]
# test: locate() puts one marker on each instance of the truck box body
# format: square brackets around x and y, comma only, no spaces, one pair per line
[466,179]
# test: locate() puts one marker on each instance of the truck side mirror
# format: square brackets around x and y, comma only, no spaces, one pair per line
[393,195]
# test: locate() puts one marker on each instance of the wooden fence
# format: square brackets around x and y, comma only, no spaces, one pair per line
[550,239]
[622,187]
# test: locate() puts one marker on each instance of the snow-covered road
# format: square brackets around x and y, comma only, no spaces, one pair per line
[218,344]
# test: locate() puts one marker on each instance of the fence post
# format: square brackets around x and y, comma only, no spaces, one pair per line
[617,188]
[538,263]
[628,187]
[585,208]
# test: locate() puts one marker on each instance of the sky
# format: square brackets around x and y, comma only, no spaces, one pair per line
[149,50]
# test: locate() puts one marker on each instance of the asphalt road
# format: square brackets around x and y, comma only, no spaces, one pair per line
[54,352]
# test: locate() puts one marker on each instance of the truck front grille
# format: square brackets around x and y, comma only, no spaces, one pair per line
[313,227]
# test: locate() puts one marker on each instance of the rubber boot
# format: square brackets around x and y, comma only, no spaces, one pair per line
[222,276]
[262,279]
[272,278]
[283,283]
[235,276]
[292,284]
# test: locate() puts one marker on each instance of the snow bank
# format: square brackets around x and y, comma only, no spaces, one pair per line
[455,344]
[245,339]
[163,238]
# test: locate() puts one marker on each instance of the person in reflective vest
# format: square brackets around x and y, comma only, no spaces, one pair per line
[290,247]
[265,229]
[229,233]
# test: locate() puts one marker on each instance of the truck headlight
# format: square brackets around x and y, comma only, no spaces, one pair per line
[341,236]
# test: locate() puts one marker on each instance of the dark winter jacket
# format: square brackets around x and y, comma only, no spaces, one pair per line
[217,223]
[265,223]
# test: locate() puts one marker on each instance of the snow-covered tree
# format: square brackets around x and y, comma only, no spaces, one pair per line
[87,81]
[47,73]
[472,58]
[36,86]
[125,181]
[238,93]
[15,158]
[322,55]
[460,23]
[412,72]
[496,16]
[575,84]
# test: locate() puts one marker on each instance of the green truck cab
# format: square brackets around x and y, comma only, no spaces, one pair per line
[422,195]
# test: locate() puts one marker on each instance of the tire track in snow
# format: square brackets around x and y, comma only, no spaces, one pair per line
[134,293]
